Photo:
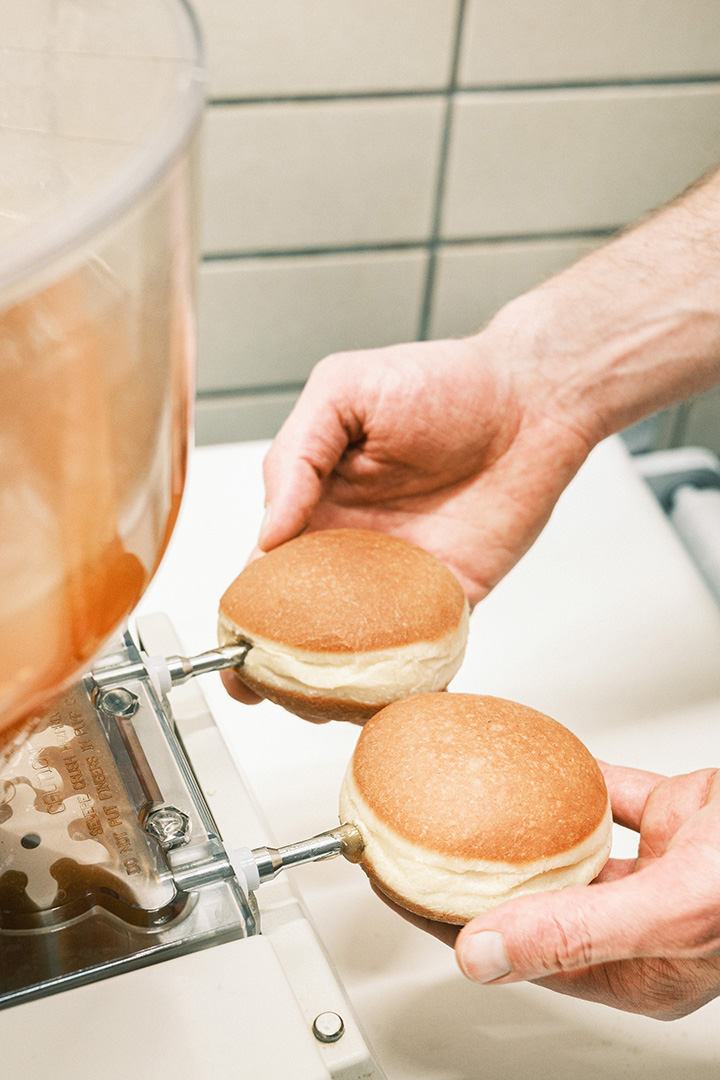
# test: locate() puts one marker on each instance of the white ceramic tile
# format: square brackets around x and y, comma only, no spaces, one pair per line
[240,417]
[473,282]
[105,27]
[311,175]
[132,28]
[536,41]
[551,161]
[28,26]
[268,321]
[131,95]
[326,46]
[23,89]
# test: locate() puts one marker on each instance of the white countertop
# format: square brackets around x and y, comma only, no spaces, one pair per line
[604,625]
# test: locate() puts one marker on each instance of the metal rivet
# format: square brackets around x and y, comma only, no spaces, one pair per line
[117,702]
[328,1027]
[170,827]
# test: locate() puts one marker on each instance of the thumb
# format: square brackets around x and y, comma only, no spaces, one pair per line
[306,450]
[292,491]
[540,935]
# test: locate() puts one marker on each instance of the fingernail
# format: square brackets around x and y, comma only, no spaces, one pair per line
[265,524]
[483,956]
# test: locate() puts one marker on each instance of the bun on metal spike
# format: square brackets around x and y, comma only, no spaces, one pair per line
[344,621]
[464,802]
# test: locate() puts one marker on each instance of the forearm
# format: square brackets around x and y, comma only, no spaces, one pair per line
[632,327]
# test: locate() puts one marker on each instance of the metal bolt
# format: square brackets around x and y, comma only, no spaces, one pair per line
[117,702]
[170,827]
[328,1027]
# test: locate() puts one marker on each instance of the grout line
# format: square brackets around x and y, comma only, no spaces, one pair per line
[312,99]
[524,238]
[389,248]
[427,299]
[340,249]
[593,84]
[249,391]
[476,88]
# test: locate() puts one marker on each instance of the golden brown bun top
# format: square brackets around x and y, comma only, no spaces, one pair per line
[345,590]
[478,778]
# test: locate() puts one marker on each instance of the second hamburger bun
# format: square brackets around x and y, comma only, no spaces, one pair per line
[344,621]
[464,802]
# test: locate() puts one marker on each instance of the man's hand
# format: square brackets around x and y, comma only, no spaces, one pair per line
[645,937]
[436,442]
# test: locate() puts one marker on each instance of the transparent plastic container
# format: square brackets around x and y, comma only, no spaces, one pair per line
[99,107]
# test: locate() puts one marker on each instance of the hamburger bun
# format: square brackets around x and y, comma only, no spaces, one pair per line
[344,621]
[464,802]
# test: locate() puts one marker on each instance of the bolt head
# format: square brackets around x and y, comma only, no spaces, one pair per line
[328,1027]
[117,701]
[170,827]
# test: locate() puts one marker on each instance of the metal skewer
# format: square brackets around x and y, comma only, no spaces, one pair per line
[173,670]
[344,840]
[260,864]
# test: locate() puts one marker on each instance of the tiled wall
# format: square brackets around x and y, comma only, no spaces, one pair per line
[384,170]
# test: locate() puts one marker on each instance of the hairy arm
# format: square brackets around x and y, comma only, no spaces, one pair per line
[635,325]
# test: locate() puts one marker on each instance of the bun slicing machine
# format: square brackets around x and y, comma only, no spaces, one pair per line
[111,859]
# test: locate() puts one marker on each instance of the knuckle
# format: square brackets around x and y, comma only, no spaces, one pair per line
[320,373]
[704,938]
[695,931]
[572,943]
[330,364]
